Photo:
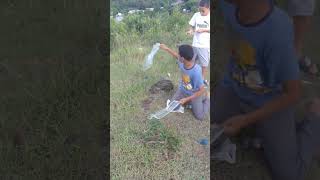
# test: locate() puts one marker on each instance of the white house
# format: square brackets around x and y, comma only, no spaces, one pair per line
[149,9]
[133,11]
[177,2]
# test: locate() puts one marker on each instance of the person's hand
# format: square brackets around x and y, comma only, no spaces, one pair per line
[190,32]
[163,46]
[183,101]
[233,125]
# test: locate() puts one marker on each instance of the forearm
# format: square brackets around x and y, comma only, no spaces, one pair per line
[173,53]
[278,104]
[196,94]
[191,28]
[206,30]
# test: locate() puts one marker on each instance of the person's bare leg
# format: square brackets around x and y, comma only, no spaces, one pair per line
[204,71]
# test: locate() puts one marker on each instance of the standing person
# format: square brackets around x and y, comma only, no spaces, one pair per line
[262,84]
[200,28]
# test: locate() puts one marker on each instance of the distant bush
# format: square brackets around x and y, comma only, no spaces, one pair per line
[149,27]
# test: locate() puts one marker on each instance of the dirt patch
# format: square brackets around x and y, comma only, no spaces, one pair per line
[146,103]
[161,85]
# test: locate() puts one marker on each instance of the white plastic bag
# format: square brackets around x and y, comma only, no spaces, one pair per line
[149,58]
[225,150]
[173,106]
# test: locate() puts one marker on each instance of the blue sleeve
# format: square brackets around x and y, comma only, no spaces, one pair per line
[180,64]
[282,62]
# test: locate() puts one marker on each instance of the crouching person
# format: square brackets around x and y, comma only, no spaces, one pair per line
[191,88]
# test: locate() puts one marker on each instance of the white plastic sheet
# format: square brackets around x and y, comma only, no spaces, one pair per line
[224,151]
[172,106]
[149,58]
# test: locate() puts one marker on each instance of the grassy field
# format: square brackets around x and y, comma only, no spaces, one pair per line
[151,149]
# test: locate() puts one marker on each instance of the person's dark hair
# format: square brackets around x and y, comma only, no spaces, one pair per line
[186,51]
[204,3]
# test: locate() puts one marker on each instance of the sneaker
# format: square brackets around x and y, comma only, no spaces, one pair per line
[251,143]
[188,106]
[206,83]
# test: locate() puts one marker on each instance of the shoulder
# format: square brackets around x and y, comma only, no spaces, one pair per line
[197,14]
[197,69]
[180,64]
[194,18]
[281,26]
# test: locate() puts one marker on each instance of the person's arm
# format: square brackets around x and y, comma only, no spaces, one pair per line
[191,30]
[194,95]
[170,51]
[203,30]
[291,94]
[192,24]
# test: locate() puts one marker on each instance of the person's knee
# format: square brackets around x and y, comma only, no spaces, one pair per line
[199,116]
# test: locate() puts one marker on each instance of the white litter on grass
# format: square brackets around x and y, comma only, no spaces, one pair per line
[226,152]
[172,106]
[149,57]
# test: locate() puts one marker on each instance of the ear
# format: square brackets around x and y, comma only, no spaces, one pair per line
[181,59]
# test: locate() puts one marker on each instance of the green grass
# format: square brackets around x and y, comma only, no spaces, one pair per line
[158,136]
[151,149]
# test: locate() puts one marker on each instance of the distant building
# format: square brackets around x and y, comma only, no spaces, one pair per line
[149,9]
[186,10]
[177,2]
[133,11]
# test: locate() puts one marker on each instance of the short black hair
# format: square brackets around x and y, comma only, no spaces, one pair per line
[186,51]
[204,3]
